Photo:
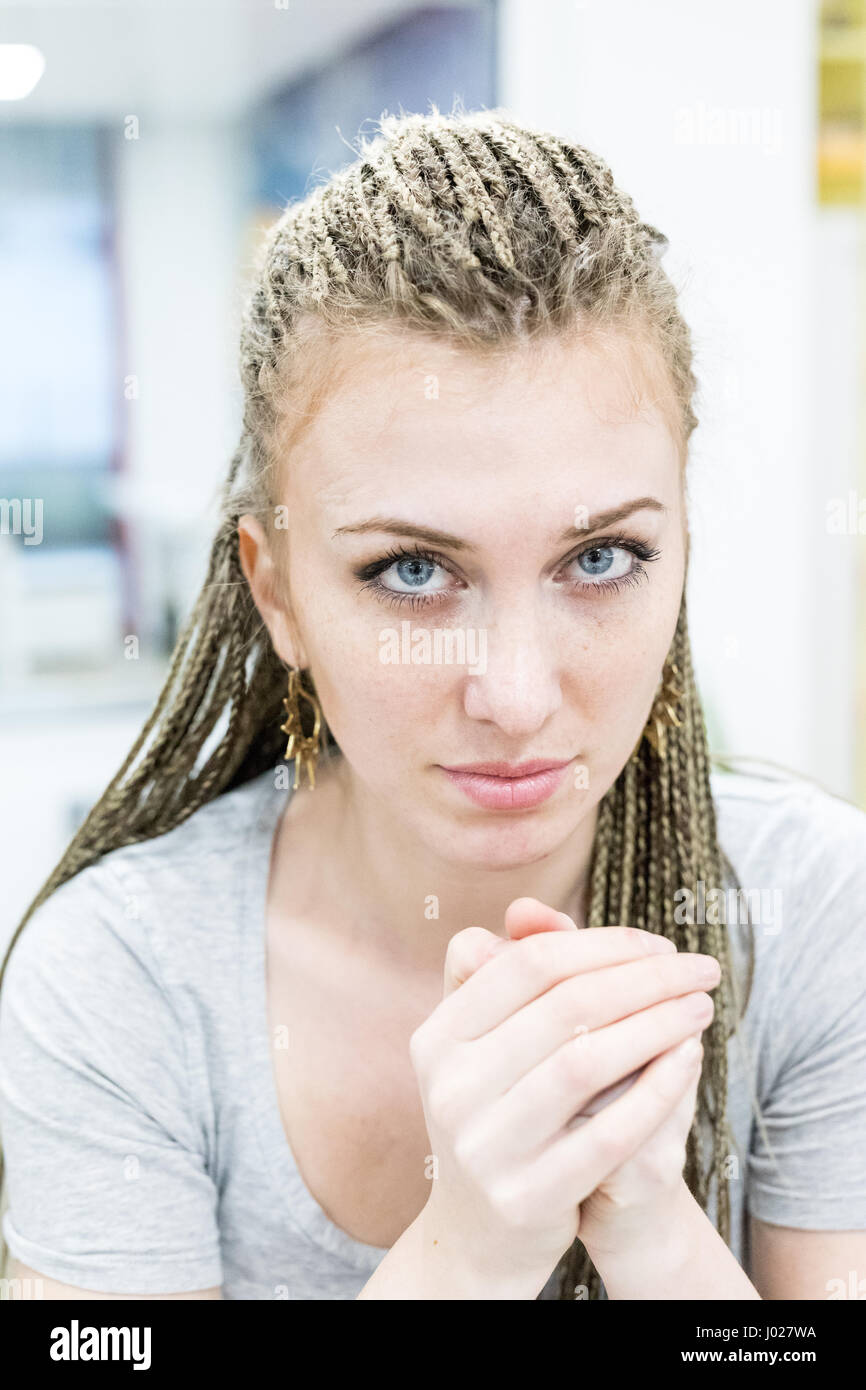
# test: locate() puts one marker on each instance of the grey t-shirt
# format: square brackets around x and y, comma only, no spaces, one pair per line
[138,1107]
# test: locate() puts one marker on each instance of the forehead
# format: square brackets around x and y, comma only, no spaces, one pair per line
[405,418]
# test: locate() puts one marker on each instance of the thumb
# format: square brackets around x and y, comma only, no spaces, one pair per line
[467,952]
[469,949]
[525,916]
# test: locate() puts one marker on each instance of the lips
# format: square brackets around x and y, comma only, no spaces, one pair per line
[500,789]
[511,769]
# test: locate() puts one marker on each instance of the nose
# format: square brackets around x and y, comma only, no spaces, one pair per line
[519,687]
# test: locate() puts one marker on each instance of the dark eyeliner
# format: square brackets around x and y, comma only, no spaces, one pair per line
[364,573]
[368,575]
[637,547]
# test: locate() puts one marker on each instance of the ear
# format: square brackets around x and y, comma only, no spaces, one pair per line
[268,589]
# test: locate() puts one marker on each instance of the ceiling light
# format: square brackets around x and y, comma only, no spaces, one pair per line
[21,66]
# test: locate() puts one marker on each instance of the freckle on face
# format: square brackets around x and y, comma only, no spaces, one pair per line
[502,457]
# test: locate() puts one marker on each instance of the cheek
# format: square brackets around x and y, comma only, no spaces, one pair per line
[368,702]
[615,694]
[372,693]
[616,677]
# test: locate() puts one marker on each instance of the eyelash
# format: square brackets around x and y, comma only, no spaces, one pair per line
[368,575]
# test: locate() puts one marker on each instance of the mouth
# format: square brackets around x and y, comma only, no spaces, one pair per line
[509,786]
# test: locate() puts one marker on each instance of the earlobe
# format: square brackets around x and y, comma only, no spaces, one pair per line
[263,578]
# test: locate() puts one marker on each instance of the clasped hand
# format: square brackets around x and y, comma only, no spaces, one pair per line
[533,1029]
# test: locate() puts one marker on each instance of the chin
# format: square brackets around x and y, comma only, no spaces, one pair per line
[507,841]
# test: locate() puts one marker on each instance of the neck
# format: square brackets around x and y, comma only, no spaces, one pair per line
[390,894]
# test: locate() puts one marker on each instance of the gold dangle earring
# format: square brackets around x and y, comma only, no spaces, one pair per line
[303,748]
[665,712]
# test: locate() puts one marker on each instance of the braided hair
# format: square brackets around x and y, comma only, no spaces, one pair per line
[472,227]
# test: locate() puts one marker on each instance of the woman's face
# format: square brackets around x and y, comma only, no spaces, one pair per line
[546,629]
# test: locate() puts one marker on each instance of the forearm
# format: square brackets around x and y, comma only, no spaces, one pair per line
[685,1259]
[420,1265]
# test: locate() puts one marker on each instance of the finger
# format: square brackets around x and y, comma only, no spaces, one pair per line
[524,916]
[574,1165]
[676,1125]
[680,1118]
[584,1003]
[541,1103]
[605,1097]
[679,1121]
[671,1134]
[527,968]
[467,951]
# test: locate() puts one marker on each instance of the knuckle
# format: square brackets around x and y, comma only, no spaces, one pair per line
[658,971]
[569,1002]
[572,1065]
[462,951]
[465,944]
[535,963]
[666,1086]
[637,938]
[640,941]
[467,1151]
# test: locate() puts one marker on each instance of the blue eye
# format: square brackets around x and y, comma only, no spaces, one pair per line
[602,562]
[605,567]
[414,572]
[412,569]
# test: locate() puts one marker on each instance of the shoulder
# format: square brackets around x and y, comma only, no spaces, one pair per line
[799,855]
[131,918]
[786,831]
[780,810]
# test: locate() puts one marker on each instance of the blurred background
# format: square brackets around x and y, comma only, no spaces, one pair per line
[143,148]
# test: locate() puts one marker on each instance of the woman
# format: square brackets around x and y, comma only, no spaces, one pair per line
[230,1067]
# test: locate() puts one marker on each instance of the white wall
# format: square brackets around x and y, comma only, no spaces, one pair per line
[180,193]
[654,88]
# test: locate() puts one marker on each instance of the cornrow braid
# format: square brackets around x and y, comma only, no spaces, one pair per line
[472,227]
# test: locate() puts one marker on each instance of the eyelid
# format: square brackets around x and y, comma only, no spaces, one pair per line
[603,541]
[415,550]
[369,575]
[418,550]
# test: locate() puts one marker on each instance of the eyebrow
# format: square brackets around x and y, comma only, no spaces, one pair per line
[394,526]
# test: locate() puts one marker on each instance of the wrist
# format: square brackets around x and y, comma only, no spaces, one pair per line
[453,1271]
[678,1254]
[662,1239]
